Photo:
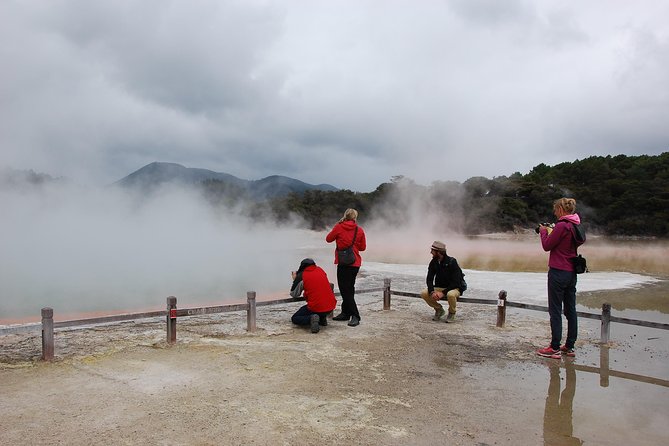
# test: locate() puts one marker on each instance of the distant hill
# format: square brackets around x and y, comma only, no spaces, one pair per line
[278,186]
[626,196]
[156,174]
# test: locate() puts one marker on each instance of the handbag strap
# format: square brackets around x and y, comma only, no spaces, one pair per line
[573,237]
[354,234]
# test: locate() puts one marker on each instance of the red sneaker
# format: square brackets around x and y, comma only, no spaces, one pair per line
[549,352]
[567,351]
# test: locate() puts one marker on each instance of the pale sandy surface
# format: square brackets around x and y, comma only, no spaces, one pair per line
[397,379]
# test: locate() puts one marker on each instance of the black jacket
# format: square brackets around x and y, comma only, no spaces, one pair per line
[445,274]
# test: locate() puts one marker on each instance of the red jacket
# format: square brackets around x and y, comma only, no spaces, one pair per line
[343,234]
[317,291]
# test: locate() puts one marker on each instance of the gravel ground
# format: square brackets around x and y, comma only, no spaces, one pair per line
[397,379]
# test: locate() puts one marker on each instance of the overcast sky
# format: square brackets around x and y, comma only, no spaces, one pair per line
[342,92]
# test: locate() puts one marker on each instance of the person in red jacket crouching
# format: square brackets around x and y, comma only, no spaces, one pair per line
[318,293]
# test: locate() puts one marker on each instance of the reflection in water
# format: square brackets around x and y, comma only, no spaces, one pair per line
[558,425]
[647,297]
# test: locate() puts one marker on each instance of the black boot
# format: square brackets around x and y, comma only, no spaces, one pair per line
[354,322]
[315,328]
[341,317]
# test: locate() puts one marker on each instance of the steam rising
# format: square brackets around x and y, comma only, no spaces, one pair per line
[405,225]
[82,250]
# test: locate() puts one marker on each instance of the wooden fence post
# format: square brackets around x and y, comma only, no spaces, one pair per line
[251,311]
[331,313]
[171,320]
[47,334]
[604,365]
[606,323]
[386,294]
[501,309]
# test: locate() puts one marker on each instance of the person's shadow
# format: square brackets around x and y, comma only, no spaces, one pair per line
[558,425]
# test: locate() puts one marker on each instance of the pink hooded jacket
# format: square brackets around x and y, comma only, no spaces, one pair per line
[561,242]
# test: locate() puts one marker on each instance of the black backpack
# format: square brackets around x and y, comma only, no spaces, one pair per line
[463,283]
[579,233]
[580,264]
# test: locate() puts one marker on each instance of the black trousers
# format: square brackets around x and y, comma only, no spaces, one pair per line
[346,282]
[562,294]
[303,316]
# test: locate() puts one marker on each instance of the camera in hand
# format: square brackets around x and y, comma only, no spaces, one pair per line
[549,225]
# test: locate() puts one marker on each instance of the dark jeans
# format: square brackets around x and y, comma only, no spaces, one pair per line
[303,316]
[562,292]
[346,281]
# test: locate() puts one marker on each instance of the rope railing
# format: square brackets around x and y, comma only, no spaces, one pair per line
[172,313]
[502,303]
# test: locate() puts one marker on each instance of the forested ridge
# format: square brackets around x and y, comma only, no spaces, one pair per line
[616,195]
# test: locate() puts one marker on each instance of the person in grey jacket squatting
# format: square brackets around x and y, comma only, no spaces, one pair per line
[444,278]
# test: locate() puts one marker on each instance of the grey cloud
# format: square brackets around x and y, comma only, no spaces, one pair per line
[177,54]
[491,12]
[95,90]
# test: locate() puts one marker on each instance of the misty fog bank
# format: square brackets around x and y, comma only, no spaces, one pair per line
[84,250]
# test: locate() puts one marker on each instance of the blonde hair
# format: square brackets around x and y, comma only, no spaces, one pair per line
[350,214]
[566,205]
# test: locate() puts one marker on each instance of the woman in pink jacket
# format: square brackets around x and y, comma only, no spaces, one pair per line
[344,233]
[562,241]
